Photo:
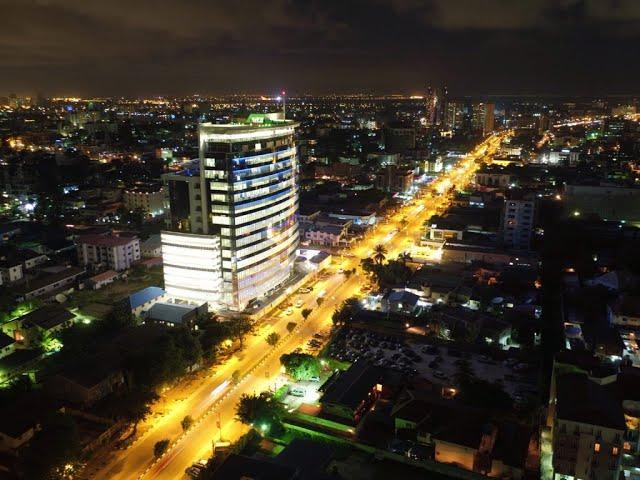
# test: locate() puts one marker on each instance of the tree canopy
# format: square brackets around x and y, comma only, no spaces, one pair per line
[300,366]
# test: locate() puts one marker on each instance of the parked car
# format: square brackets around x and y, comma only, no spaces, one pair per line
[439,374]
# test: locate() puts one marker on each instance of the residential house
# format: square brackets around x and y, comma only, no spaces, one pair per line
[50,282]
[7,345]
[349,394]
[44,321]
[102,279]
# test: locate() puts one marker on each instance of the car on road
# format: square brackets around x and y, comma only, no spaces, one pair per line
[289,311]
[299,303]
[305,290]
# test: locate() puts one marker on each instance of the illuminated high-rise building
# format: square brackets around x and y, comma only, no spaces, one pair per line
[233,220]
[483,117]
[435,105]
[454,115]
[430,107]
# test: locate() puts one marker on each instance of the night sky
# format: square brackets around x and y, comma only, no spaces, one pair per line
[139,47]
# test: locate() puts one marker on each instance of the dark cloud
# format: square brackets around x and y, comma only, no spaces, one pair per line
[184,46]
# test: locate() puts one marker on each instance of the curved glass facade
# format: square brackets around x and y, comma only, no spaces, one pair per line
[250,180]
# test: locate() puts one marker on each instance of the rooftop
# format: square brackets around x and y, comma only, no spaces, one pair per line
[47,317]
[145,295]
[352,385]
[582,400]
[170,312]
[106,240]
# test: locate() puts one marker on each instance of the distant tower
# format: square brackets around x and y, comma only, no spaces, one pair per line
[435,105]
[441,106]
[431,104]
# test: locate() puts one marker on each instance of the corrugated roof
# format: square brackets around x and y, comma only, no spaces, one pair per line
[145,295]
[169,312]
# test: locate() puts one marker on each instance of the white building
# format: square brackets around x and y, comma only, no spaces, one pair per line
[147,198]
[517,221]
[111,251]
[242,243]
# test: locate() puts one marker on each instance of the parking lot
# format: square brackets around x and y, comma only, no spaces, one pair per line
[438,364]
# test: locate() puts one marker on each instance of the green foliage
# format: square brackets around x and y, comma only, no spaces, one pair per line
[393,273]
[344,314]
[367,265]
[119,318]
[291,326]
[235,377]
[259,410]
[300,366]
[306,312]
[160,447]
[56,444]
[379,254]
[239,327]
[212,334]
[186,422]
[483,394]
[133,405]
[273,338]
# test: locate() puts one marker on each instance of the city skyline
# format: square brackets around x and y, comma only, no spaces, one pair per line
[65,47]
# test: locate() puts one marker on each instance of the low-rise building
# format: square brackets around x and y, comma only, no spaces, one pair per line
[144,299]
[351,393]
[44,321]
[151,247]
[175,314]
[146,198]
[7,345]
[102,279]
[117,252]
[50,282]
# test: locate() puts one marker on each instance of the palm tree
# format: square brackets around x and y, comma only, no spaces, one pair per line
[379,253]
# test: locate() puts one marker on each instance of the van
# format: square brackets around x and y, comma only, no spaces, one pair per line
[298,392]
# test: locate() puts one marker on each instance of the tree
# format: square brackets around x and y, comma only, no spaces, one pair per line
[213,333]
[391,274]
[306,312]
[186,423]
[273,338]
[300,366]
[160,447]
[404,257]
[120,317]
[319,300]
[261,411]
[235,377]
[292,325]
[55,445]
[403,223]
[367,265]
[346,311]
[379,253]
[133,406]
[239,327]
[464,374]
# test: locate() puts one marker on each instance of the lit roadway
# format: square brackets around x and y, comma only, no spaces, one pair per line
[213,398]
